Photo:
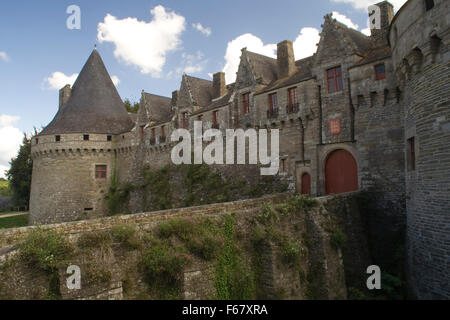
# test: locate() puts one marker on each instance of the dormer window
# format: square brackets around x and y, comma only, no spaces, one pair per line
[334,78]
[216,120]
[57,138]
[380,71]
[246,103]
[142,132]
[429,4]
[184,120]
[86,137]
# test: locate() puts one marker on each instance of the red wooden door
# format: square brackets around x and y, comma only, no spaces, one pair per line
[306,184]
[341,172]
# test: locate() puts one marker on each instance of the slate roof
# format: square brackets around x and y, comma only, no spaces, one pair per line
[264,67]
[357,40]
[94,105]
[303,73]
[159,108]
[201,90]
[374,55]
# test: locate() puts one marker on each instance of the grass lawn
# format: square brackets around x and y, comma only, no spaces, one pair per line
[14,222]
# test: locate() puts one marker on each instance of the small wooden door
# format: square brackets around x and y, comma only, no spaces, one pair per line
[306,184]
[341,172]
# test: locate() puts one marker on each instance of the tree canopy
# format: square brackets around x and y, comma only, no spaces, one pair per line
[19,174]
[132,107]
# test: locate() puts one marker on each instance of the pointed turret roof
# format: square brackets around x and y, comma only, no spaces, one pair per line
[94,105]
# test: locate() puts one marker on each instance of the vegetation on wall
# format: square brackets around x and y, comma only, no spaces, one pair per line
[188,185]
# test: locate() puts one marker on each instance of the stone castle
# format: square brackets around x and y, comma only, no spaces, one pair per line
[366,113]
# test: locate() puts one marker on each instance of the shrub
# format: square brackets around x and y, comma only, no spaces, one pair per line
[338,239]
[45,249]
[126,234]
[163,267]
[290,252]
[99,239]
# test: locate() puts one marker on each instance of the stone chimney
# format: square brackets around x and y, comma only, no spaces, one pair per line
[175,97]
[380,20]
[64,95]
[219,86]
[286,59]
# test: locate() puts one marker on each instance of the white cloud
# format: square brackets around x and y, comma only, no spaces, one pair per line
[4,56]
[58,80]
[115,80]
[192,63]
[233,53]
[10,140]
[202,29]
[366,31]
[6,120]
[143,44]
[364,4]
[343,19]
[306,43]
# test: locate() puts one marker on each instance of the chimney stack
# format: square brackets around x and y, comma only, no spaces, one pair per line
[175,97]
[219,86]
[380,16]
[64,95]
[285,59]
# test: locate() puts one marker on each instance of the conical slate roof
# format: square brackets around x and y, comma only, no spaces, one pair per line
[94,105]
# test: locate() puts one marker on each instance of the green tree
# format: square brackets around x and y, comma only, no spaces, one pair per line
[131,107]
[19,174]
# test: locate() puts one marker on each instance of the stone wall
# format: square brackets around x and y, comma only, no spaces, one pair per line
[420,41]
[124,280]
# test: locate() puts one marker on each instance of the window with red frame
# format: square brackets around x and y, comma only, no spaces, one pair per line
[334,78]
[153,133]
[216,118]
[142,132]
[283,166]
[292,93]
[185,120]
[246,103]
[273,102]
[163,131]
[100,171]
[380,71]
[411,154]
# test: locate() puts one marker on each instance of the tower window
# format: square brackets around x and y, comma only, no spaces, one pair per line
[380,71]
[246,103]
[109,138]
[283,167]
[100,171]
[58,138]
[37,140]
[86,137]
[429,4]
[411,156]
[334,78]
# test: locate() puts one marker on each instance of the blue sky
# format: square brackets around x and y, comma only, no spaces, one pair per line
[145,44]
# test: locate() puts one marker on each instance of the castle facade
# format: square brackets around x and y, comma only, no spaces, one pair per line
[363,113]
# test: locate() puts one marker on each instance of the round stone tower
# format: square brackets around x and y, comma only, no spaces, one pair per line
[74,156]
[420,39]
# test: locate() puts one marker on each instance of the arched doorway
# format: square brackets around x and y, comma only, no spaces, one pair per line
[341,172]
[306,184]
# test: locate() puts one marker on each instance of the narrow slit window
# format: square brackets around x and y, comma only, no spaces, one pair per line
[411,154]
[246,103]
